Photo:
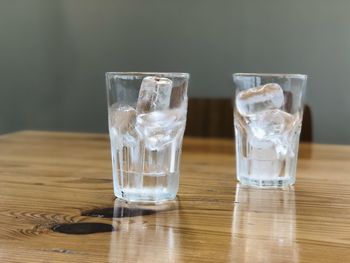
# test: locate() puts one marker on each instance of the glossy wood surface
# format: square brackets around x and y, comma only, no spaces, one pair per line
[48,179]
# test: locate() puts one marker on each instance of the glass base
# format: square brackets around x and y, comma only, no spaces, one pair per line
[145,196]
[266,183]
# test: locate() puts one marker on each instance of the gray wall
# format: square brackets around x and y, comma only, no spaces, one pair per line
[53,54]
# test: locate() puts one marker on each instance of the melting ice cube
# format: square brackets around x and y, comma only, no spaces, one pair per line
[261,149]
[254,100]
[122,118]
[159,128]
[264,158]
[270,123]
[154,94]
[155,123]
[275,126]
[122,121]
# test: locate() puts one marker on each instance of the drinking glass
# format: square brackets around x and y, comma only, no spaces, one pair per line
[268,114]
[147,118]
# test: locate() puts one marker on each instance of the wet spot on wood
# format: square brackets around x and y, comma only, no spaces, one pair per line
[118,212]
[82,228]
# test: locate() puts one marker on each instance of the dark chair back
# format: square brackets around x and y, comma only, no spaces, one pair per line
[214,118]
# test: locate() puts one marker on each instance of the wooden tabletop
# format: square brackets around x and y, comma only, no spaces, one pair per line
[57,205]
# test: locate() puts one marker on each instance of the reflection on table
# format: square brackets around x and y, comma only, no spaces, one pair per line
[264,220]
[138,234]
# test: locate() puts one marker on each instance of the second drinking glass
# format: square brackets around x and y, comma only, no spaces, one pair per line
[267,119]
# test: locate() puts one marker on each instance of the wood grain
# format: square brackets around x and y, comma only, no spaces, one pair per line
[49,178]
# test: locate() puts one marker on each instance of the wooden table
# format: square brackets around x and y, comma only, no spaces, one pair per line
[62,181]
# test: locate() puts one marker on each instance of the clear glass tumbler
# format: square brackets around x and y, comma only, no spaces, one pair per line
[267,119]
[147,118]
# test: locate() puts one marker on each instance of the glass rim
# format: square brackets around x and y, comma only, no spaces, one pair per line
[144,74]
[279,75]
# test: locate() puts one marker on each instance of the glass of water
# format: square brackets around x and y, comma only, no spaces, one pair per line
[147,118]
[268,114]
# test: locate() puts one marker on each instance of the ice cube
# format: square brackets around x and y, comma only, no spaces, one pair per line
[261,149]
[254,100]
[160,128]
[122,121]
[270,123]
[154,95]
[276,126]
[122,118]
